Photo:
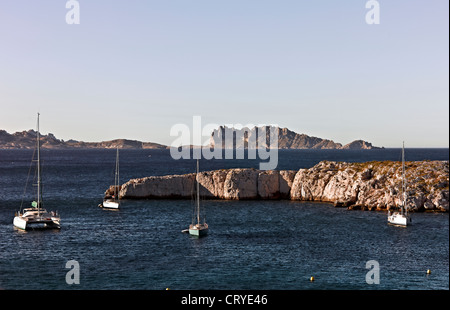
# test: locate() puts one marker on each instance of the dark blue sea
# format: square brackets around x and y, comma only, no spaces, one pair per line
[268,245]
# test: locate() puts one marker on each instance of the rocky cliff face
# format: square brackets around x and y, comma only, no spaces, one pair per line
[371,186]
[375,185]
[231,184]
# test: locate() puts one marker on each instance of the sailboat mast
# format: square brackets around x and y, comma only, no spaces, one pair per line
[198,196]
[38,137]
[116,180]
[403,179]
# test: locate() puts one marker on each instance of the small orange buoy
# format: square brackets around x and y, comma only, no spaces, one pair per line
[311,279]
[428,271]
[167,289]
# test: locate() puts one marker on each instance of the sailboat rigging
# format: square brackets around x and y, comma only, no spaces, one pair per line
[401,217]
[37,216]
[197,228]
[114,201]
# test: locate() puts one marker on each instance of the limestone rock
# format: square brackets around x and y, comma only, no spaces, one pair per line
[364,186]
[212,183]
[269,184]
[241,184]
[286,179]
[171,186]
[375,185]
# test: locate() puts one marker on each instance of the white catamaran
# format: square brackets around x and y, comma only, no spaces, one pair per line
[37,216]
[197,228]
[401,217]
[114,201]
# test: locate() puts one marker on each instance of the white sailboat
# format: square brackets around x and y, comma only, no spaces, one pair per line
[401,217]
[197,228]
[114,201]
[37,216]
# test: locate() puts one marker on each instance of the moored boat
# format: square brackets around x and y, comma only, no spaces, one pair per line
[401,217]
[114,201]
[197,228]
[37,216]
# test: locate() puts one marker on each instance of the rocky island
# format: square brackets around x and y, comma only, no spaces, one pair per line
[366,186]
[287,139]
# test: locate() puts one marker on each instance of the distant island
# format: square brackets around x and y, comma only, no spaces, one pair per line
[27,140]
[287,139]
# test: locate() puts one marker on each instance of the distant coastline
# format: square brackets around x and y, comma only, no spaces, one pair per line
[27,140]
[287,139]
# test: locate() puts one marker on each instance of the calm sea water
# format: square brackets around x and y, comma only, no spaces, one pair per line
[251,245]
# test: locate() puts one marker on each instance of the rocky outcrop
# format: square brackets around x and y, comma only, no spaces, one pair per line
[367,186]
[375,185]
[169,186]
[358,145]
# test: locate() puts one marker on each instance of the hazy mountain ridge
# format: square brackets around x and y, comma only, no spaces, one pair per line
[27,140]
[287,139]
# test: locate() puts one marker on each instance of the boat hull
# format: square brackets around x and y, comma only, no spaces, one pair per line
[20,223]
[399,219]
[110,204]
[37,223]
[198,230]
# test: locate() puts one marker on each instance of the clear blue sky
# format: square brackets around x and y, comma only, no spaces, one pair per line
[132,69]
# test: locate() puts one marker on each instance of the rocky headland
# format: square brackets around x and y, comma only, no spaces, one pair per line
[365,186]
